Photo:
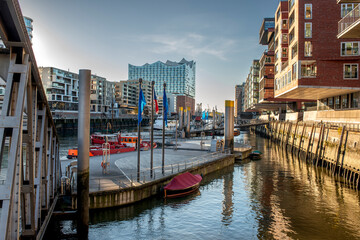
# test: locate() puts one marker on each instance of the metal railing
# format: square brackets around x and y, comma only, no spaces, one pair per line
[129,179]
[348,20]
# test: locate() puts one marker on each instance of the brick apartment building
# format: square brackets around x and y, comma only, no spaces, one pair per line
[185,102]
[311,63]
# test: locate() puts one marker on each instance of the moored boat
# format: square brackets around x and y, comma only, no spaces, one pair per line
[182,185]
[255,155]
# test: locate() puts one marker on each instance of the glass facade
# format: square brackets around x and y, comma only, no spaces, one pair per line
[29,27]
[178,76]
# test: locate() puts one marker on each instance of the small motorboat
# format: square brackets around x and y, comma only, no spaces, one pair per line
[255,155]
[236,132]
[182,185]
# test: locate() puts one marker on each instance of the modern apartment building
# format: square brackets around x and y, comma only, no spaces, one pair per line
[238,98]
[178,76]
[61,87]
[102,94]
[62,90]
[252,87]
[29,27]
[311,63]
[266,74]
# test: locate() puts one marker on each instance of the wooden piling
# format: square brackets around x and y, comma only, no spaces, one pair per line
[339,150]
[294,137]
[302,138]
[309,142]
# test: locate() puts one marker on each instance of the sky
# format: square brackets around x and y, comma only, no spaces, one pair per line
[222,36]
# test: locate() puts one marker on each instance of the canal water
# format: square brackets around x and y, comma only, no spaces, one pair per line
[277,197]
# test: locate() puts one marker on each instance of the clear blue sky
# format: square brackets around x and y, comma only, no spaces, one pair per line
[104,36]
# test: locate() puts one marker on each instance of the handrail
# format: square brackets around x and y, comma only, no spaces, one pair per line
[350,18]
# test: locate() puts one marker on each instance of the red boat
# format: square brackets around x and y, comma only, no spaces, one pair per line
[117,144]
[117,139]
[182,185]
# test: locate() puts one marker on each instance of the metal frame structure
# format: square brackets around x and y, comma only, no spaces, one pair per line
[29,146]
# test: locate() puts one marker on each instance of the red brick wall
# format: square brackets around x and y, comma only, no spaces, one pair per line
[326,45]
[185,102]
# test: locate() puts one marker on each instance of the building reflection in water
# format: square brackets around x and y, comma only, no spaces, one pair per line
[227,204]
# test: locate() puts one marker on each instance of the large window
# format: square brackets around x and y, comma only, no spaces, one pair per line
[308,49]
[308,30]
[349,48]
[308,11]
[346,8]
[337,102]
[355,97]
[351,71]
[308,69]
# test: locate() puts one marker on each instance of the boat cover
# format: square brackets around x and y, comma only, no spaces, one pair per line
[183,181]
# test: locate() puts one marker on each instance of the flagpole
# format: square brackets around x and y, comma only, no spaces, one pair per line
[152,130]
[163,134]
[138,139]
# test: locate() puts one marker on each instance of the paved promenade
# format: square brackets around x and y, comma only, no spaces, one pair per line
[122,171]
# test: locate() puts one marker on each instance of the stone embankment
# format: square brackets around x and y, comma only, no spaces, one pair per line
[334,147]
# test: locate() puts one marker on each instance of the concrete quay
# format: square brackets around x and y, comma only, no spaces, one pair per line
[119,185]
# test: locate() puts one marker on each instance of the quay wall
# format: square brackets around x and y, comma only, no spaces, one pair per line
[335,147]
[125,196]
[66,126]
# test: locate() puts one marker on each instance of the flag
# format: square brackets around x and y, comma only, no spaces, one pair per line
[156,103]
[142,103]
[165,107]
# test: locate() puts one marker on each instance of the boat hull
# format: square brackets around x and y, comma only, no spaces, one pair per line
[182,192]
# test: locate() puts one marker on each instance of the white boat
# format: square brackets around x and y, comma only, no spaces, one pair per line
[158,124]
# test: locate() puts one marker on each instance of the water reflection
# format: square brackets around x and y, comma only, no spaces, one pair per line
[227,203]
[278,197]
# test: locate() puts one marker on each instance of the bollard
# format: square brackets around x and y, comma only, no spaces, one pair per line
[229,125]
[83,154]
[181,119]
[188,121]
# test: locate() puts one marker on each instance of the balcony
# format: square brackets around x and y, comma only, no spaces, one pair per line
[349,26]
[348,1]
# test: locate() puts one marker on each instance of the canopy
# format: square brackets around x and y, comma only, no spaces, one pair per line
[183,181]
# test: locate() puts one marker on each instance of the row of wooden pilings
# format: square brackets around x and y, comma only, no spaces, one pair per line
[332,147]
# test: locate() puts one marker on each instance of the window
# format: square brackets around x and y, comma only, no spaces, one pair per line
[308,69]
[349,48]
[284,24]
[291,4]
[308,11]
[289,77]
[308,49]
[291,20]
[346,8]
[291,36]
[350,71]
[294,51]
[284,53]
[337,102]
[294,71]
[355,97]
[331,102]
[308,30]
[344,101]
